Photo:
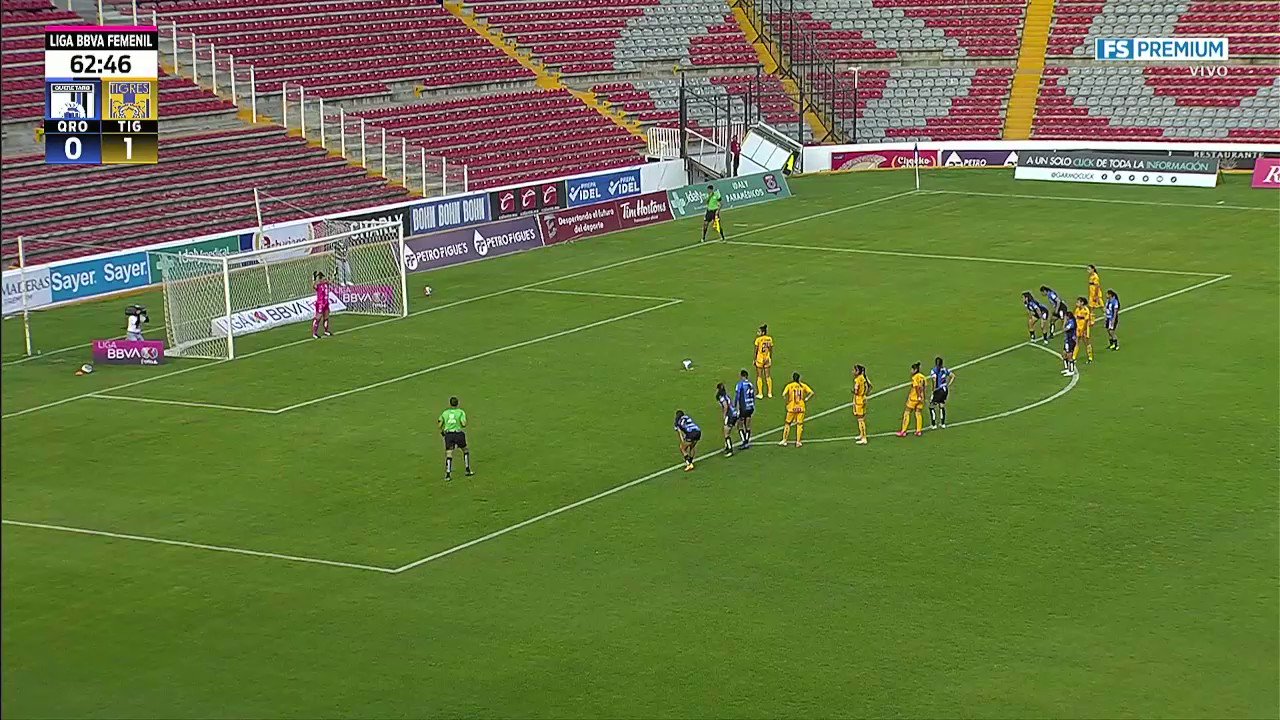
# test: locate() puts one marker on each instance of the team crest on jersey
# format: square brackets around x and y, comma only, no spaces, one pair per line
[73,101]
[130,100]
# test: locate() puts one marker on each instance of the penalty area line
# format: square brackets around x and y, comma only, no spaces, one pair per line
[1108,201]
[198,546]
[183,403]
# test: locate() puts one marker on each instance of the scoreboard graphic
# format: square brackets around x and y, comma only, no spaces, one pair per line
[101,95]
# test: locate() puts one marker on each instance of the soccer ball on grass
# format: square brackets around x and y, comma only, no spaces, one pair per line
[426,291]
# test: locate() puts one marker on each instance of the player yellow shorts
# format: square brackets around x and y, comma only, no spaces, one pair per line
[764,363]
[859,409]
[915,405]
[795,416]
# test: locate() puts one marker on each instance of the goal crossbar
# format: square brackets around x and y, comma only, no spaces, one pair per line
[212,299]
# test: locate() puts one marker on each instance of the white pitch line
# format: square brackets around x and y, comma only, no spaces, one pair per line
[59,351]
[673,468]
[966,258]
[1071,384]
[184,403]
[435,308]
[583,293]
[199,546]
[1109,201]
[477,356]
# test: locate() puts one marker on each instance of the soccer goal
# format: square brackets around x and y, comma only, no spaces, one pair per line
[210,300]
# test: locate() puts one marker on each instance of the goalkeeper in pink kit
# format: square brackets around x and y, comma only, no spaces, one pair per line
[322,305]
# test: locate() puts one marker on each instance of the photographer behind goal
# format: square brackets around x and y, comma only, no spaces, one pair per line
[136,317]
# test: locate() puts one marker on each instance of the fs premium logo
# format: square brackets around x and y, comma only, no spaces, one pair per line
[1185,49]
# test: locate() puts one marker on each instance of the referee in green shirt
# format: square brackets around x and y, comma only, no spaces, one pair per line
[714,199]
[453,423]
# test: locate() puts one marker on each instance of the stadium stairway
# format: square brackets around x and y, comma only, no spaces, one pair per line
[774,65]
[1026,79]
[547,78]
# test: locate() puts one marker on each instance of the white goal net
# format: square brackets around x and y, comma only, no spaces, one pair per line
[210,300]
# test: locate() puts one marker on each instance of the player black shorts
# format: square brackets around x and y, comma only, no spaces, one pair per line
[710,215]
[730,420]
[693,437]
[745,413]
[455,440]
[1070,344]
[1112,323]
[939,396]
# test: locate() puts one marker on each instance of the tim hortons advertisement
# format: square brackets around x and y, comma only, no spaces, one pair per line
[883,159]
[438,250]
[643,210]
[1117,168]
[128,352]
[575,223]
[527,200]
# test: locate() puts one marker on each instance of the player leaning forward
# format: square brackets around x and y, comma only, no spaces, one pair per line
[453,425]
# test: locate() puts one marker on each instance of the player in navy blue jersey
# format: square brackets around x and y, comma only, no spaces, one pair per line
[941,377]
[1111,313]
[1057,307]
[729,413]
[1069,344]
[744,400]
[1036,313]
[689,434]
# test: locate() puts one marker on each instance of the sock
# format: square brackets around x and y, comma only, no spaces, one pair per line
[862,427]
[943,410]
[799,432]
[919,421]
[770,385]
[786,430]
[326,323]
[1066,364]
[759,385]
[1089,350]
[466,460]
[448,466]
[906,419]
[315,326]
[728,444]
[933,418]
[1033,334]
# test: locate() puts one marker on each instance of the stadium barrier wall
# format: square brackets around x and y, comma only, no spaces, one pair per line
[1003,153]
[122,271]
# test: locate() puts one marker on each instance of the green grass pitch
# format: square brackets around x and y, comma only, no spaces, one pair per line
[1104,548]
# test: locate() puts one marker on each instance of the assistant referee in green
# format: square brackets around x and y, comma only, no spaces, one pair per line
[453,424]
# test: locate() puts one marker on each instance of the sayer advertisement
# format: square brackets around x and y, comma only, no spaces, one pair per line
[458,246]
[599,188]
[526,200]
[978,158]
[736,192]
[882,159]
[98,276]
[128,352]
[447,214]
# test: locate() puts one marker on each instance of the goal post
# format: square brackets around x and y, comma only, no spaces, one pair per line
[210,300]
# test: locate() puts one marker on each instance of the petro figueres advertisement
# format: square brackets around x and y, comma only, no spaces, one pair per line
[453,247]
[1117,168]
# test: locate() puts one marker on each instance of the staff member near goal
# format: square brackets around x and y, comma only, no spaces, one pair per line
[453,423]
[136,317]
[342,266]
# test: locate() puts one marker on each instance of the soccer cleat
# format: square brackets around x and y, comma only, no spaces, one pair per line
[728,452]
[447,477]
[688,467]
[315,336]
[797,443]
[902,433]
[860,441]
[783,443]
[944,426]
[469,473]
[919,433]
[328,334]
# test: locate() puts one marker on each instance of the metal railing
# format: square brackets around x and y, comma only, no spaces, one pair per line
[264,99]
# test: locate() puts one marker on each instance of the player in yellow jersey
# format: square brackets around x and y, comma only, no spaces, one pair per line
[1084,319]
[796,394]
[861,389]
[1095,292]
[915,402]
[764,362]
